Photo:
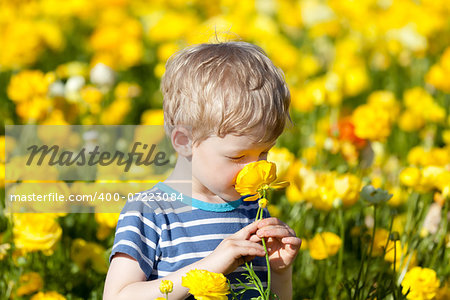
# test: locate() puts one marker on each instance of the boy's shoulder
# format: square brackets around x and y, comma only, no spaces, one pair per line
[167,205]
[156,201]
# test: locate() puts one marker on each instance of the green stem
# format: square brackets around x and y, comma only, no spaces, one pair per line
[267,256]
[319,287]
[258,286]
[412,205]
[395,262]
[341,250]
[369,257]
[167,296]
[268,269]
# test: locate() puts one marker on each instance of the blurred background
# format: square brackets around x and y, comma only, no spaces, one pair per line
[370,88]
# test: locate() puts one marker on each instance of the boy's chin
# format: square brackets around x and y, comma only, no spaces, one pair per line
[232,195]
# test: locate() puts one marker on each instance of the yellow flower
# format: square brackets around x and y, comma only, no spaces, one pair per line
[380,241]
[371,122]
[422,284]
[310,154]
[7,145]
[70,69]
[127,90]
[262,202]
[255,178]
[28,90]
[293,194]
[398,196]
[301,100]
[29,283]
[438,73]
[410,121]
[21,43]
[446,136]
[283,159]
[117,42]
[205,285]
[116,112]
[107,219]
[324,245]
[417,155]
[422,104]
[107,222]
[434,177]
[160,298]
[35,231]
[2,175]
[399,223]
[385,100]
[410,176]
[166,50]
[274,210]
[48,296]
[327,195]
[400,254]
[27,85]
[86,254]
[347,188]
[356,80]
[170,25]
[93,96]
[166,286]
[153,117]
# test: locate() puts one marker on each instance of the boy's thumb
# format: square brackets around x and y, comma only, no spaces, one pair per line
[247,231]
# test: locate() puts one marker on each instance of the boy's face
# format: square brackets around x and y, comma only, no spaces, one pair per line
[217,161]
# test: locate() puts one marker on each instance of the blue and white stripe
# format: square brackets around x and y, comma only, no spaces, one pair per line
[164,236]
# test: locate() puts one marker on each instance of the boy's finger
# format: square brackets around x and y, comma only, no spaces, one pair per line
[247,248]
[247,231]
[254,238]
[269,221]
[275,231]
[293,241]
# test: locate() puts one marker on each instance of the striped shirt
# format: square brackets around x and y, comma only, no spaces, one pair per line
[167,235]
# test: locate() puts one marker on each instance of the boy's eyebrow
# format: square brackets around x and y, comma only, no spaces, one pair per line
[245,149]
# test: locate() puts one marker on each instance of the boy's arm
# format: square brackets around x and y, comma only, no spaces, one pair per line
[126,280]
[282,284]
[283,246]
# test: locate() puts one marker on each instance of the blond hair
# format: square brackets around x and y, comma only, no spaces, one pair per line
[225,88]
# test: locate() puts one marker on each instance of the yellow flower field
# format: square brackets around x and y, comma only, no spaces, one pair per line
[367,155]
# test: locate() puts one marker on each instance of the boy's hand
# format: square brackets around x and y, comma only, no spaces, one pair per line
[281,241]
[234,251]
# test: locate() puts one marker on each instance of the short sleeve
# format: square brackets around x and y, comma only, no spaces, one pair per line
[137,234]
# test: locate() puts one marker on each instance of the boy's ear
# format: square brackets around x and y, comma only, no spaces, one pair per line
[182,141]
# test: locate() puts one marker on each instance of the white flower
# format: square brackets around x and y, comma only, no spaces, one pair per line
[56,89]
[73,87]
[409,37]
[433,218]
[314,12]
[102,75]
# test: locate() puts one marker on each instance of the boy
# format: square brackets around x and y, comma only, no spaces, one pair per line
[224,107]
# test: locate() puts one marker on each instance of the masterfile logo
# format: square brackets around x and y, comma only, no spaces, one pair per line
[77,168]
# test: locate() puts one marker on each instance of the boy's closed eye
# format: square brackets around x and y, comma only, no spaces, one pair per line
[237,158]
[263,155]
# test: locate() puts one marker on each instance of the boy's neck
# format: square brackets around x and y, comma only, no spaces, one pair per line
[182,181]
